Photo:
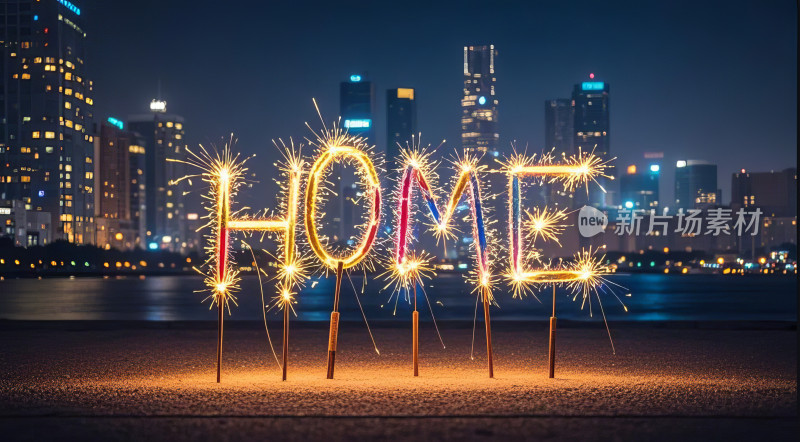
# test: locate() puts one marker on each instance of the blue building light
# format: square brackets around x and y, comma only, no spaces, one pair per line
[482,100]
[593,85]
[41,193]
[115,122]
[363,123]
[152,246]
[629,204]
[355,78]
[71,7]
[35,18]
[655,168]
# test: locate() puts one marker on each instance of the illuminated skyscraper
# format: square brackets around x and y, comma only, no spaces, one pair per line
[165,148]
[46,151]
[119,197]
[356,105]
[639,188]
[401,123]
[775,193]
[479,133]
[592,131]
[696,185]
[559,119]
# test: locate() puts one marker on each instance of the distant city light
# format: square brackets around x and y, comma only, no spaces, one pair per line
[405,93]
[116,122]
[35,17]
[152,246]
[680,163]
[591,76]
[631,169]
[482,100]
[355,78]
[655,168]
[192,216]
[593,85]
[629,204]
[41,193]
[358,124]
[158,106]
[744,171]
[71,7]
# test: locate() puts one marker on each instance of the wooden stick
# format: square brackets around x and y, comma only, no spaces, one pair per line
[220,309]
[415,333]
[286,308]
[553,337]
[488,323]
[333,335]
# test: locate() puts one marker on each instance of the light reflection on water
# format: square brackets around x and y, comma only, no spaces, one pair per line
[169,298]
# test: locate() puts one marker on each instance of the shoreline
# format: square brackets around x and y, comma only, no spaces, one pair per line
[400,322]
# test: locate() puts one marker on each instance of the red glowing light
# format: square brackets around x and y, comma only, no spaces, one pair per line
[591,75]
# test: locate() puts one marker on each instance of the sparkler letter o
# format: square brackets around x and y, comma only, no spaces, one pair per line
[371,177]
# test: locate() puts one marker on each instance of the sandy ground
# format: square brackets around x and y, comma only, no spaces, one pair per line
[67,381]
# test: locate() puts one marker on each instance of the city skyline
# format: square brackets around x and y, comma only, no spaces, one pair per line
[697,94]
[359,107]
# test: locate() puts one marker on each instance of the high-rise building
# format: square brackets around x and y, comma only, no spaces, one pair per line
[639,188]
[401,123]
[479,133]
[356,105]
[696,185]
[119,196]
[592,130]
[46,151]
[559,119]
[165,151]
[775,193]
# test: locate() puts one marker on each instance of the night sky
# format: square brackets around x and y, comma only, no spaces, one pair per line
[698,80]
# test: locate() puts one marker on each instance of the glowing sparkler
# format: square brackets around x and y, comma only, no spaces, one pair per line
[582,276]
[338,145]
[224,172]
[572,172]
[406,269]
[417,168]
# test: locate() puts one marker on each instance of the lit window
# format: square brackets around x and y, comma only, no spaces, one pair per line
[49,135]
[36,134]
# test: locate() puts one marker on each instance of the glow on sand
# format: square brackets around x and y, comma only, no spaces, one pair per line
[337,145]
[405,270]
